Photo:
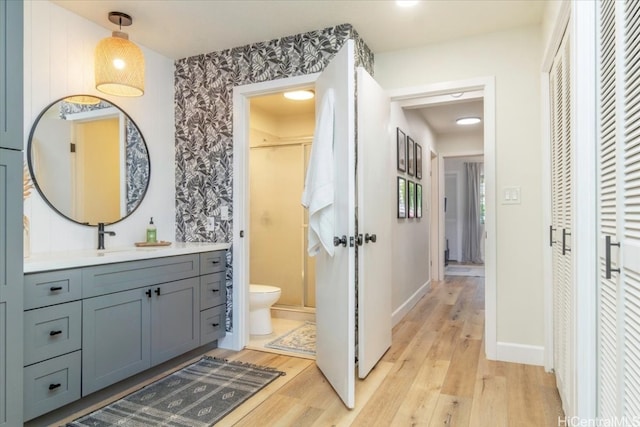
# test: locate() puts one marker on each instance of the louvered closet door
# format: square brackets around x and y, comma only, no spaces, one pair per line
[562,213]
[619,209]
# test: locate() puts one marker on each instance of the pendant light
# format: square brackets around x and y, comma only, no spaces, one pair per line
[119,63]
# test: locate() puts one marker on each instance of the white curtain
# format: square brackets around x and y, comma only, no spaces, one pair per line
[473,229]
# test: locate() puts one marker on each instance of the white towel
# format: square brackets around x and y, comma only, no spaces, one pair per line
[318,195]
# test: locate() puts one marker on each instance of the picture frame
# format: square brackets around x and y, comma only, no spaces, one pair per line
[418,201]
[402,198]
[401,150]
[411,197]
[411,156]
[418,161]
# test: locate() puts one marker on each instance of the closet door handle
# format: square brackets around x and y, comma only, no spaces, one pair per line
[565,249]
[607,257]
[337,241]
[551,230]
[370,238]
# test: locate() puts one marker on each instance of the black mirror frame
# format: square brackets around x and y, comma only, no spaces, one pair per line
[35,180]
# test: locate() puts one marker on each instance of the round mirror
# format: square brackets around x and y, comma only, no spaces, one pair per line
[88,160]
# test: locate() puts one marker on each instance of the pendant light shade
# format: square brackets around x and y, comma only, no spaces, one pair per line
[119,63]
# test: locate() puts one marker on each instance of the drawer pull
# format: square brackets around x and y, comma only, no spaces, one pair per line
[158,291]
[54,386]
[55,288]
[217,261]
[215,290]
[53,333]
[215,325]
[148,293]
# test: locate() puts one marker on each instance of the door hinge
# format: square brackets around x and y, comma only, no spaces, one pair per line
[72,147]
[241,233]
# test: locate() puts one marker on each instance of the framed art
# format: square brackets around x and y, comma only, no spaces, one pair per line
[402,198]
[411,156]
[402,150]
[418,161]
[411,198]
[418,201]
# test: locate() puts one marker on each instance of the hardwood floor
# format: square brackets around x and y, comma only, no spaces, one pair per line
[434,374]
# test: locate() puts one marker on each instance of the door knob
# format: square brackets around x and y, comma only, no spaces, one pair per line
[370,238]
[337,241]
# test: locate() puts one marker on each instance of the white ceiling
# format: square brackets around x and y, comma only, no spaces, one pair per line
[442,118]
[182,28]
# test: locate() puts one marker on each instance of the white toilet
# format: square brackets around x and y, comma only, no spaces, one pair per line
[261,298]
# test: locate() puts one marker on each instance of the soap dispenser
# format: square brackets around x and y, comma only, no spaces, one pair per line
[151,232]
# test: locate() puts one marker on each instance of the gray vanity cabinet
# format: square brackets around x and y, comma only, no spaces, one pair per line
[11,256]
[127,332]
[175,319]
[116,338]
[114,320]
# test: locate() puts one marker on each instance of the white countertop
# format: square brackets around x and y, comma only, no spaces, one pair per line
[72,259]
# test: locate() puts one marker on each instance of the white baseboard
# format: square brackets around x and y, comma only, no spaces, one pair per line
[402,311]
[520,353]
[230,342]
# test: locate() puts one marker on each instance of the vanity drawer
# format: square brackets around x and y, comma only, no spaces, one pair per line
[52,287]
[213,290]
[123,276]
[213,262]
[51,384]
[52,331]
[212,324]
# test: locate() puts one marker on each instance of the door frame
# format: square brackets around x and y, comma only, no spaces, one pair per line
[416,96]
[239,337]
[434,217]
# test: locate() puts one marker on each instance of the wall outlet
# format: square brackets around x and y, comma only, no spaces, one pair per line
[224,213]
[211,223]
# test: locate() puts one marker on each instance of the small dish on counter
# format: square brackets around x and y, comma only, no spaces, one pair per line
[149,244]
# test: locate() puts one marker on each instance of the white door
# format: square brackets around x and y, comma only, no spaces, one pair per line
[619,212]
[375,192]
[335,276]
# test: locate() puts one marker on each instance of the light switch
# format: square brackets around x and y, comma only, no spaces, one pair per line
[224,213]
[511,195]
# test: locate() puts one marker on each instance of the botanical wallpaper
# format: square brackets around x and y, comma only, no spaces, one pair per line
[138,166]
[137,156]
[204,127]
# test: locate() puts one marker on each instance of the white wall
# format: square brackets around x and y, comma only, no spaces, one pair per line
[455,144]
[410,245]
[59,48]
[514,58]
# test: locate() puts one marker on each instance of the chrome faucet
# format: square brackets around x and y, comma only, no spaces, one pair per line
[101,233]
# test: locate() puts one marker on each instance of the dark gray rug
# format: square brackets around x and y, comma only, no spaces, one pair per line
[196,396]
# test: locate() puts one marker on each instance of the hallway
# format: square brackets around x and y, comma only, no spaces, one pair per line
[434,374]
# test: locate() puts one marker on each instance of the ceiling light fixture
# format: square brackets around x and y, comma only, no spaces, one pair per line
[406,3]
[119,63]
[457,94]
[299,95]
[464,121]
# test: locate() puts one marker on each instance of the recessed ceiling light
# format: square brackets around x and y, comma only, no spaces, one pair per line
[299,95]
[468,121]
[406,3]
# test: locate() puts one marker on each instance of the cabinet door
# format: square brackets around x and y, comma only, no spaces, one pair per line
[116,338]
[175,319]
[11,48]
[11,263]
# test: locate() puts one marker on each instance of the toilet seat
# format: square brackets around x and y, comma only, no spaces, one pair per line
[263,289]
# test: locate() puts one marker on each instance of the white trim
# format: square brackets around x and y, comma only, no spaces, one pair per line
[520,353]
[487,85]
[436,251]
[240,296]
[559,27]
[585,278]
[406,306]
